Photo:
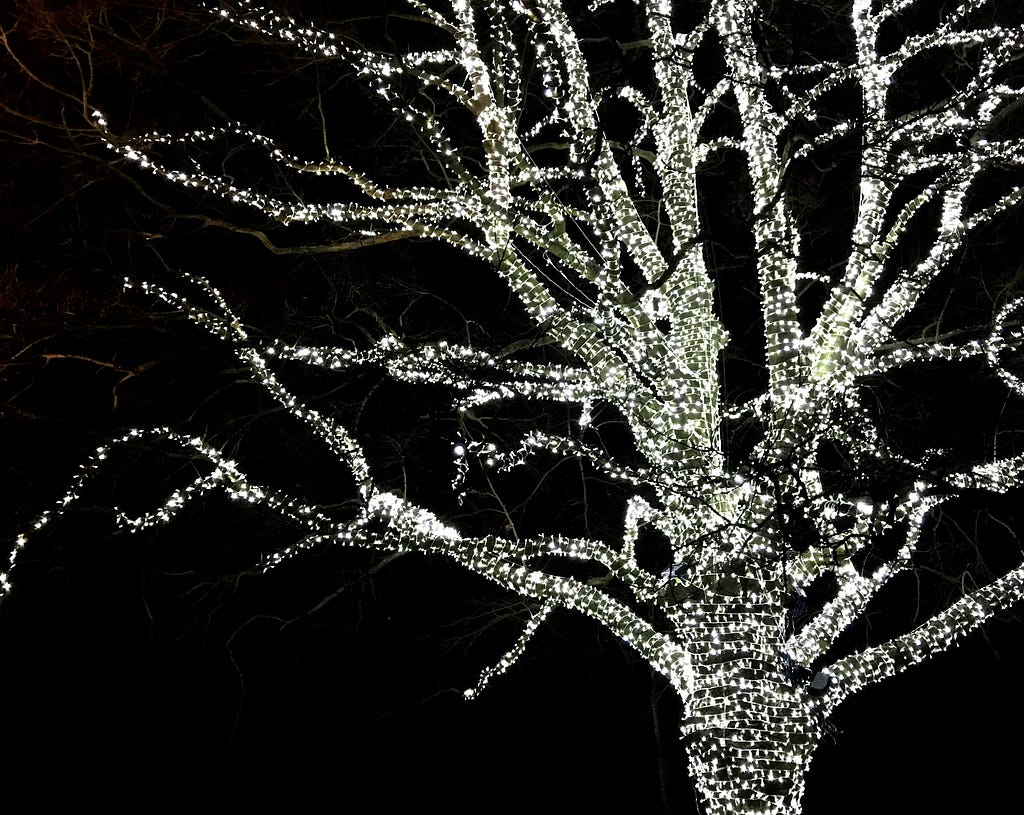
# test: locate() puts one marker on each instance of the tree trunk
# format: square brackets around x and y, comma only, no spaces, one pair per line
[748,730]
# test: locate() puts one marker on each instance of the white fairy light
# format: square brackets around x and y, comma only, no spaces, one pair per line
[750,722]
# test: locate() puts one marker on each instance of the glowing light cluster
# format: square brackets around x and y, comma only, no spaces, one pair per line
[751,715]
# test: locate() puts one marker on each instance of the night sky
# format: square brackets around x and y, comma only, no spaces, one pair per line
[156,669]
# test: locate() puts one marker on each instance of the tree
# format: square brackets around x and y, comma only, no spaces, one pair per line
[639,177]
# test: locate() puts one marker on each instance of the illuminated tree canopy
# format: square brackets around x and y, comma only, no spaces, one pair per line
[586,189]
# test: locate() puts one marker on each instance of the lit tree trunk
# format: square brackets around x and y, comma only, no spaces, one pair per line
[749,732]
[750,721]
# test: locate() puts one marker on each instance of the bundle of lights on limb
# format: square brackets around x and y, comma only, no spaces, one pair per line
[755,688]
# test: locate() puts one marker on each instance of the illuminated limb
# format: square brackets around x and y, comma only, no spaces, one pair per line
[844,336]
[857,590]
[225,476]
[338,439]
[536,442]
[514,653]
[776,236]
[458,366]
[394,524]
[1002,337]
[86,473]
[940,633]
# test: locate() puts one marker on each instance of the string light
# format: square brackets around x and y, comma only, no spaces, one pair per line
[753,705]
